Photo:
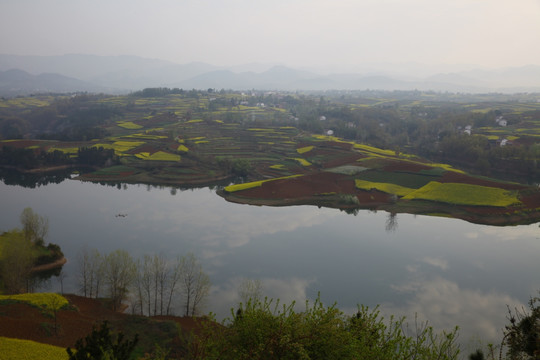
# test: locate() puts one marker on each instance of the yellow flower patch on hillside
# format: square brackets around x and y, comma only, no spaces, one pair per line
[120,147]
[130,125]
[17,349]
[158,156]
[304,149]
[42,300]
[65,150]
[464,194]
[302,162]
[253,184]
[384,187]
[374,150]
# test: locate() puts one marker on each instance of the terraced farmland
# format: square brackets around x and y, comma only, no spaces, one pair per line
[197,139]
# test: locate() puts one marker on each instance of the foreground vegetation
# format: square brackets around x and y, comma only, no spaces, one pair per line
[266,329]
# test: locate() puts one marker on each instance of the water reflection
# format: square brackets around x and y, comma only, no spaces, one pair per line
[391,222]
[446,270]
[445,304]
[33,180]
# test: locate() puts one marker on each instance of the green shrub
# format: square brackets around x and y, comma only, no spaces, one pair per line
[101,345]
[268,330]
[522,336]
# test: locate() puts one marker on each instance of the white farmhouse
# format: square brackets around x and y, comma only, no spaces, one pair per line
[501,121]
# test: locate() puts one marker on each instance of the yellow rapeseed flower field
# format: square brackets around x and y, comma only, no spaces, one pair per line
[158,156]
[130,125]
[302,162]
[120,147]
[375,150]
[384,187]
[43,300]
[464,194]
[304,149]
[65,150]
[16,349]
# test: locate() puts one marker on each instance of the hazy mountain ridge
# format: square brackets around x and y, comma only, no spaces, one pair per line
[17,82]
[122,74]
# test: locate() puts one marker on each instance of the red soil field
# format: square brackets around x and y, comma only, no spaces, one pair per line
[23,321]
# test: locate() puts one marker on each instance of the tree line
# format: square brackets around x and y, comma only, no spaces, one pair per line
[152,285]
[34,158]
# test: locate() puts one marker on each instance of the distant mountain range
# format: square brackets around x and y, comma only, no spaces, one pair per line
[23,75]
[16,82]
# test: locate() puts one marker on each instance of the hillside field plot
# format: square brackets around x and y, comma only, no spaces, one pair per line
[464,194]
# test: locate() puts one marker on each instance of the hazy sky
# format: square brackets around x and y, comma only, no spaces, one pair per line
[491,33]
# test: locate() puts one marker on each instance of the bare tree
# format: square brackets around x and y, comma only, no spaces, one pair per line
[97,272]
[250,289]
[61,277]
[143,285]
[173,282]
[35,227]
[140,300]
[83,275]
[90,273]
[195,285]
[159,275]
[120,271]
[147,282]
[156,284]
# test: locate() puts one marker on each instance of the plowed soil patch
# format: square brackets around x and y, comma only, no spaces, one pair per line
[144,148]
[532,201]
[342,160]
[23,321]
[21,144]
[27,322]
[304,186]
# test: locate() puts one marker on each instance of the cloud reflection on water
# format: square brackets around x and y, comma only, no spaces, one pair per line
[225,295]
[456,272]
[479,314]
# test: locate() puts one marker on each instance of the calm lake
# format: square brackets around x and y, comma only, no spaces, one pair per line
[448,271]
